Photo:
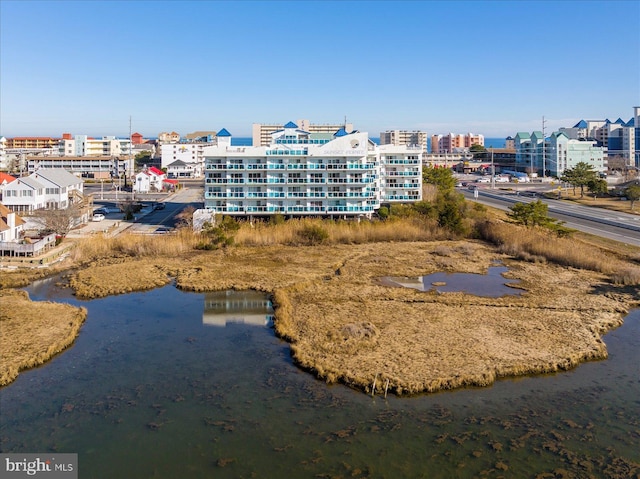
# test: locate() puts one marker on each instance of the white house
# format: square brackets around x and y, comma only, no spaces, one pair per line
[46,188]
[62,189]
[179,169]
[5,179]
[24,195]
[151,179]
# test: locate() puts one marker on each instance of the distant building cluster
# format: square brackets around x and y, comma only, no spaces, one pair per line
[595,142]
[599,142]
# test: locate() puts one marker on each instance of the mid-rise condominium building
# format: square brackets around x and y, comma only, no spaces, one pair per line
[22,142]
[555,154]
[620,138]
[262,132]
[302,173]
[405,138]
[452,143]
[83,145]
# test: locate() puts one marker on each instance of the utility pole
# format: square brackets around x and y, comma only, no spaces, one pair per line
[493,172]
[544,147]
[130,162]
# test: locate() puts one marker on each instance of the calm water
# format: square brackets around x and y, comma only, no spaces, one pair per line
[491,284]
[179,385]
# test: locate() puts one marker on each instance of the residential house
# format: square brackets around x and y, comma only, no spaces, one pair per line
[151,179]
[62,189]
[180,169]
[24,195]
[11,225]
[46,188]
[5,179]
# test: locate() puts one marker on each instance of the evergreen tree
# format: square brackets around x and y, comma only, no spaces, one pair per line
[580,175]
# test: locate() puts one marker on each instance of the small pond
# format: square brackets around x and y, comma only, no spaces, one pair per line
[169,384]
[492,284]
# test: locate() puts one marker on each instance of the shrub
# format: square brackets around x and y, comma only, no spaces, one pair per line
[313,234]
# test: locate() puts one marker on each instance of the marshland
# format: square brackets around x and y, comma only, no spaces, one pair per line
[146,370]
[343,323]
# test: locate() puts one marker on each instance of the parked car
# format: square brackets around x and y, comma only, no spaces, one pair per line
[104,210]
[484,179]
[160,206]
[97,217]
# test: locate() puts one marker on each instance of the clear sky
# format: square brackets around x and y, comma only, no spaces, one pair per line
[489,67]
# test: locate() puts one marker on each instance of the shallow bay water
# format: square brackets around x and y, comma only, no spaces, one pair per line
[157,386]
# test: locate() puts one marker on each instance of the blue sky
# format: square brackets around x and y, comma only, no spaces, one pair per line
[488,67]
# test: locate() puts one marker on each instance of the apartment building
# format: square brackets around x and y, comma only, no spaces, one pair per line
[555,154]
[452,143]
[620,138]
[83,145]
[4,162]
[166,137]
[301,173]
[261,133]
[405,137]
[186,159]
[20,142]
[85,166]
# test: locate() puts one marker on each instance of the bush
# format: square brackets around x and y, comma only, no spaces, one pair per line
[313,234]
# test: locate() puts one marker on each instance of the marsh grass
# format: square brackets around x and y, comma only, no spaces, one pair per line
[539,245]
[344,326]
[296,232]
[33,332]
[133,245]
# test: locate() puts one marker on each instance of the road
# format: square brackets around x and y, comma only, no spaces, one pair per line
[149,220]
[622,227]
[156,221]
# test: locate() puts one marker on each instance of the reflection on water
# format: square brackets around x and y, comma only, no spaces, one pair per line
[492,284]
[148,390]
[246,307]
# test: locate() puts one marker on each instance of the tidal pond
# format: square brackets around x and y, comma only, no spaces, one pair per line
[492,284]
[162,384]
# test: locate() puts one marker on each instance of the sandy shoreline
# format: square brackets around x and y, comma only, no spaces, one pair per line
[345,326]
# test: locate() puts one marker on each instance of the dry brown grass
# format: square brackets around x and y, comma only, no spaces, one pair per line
[427,341]
[33,332]
[340,232]
[132,245]
[344,325]
[609,203]
[531,244]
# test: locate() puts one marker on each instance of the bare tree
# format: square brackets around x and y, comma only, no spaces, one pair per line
[185,217]
[58,221]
